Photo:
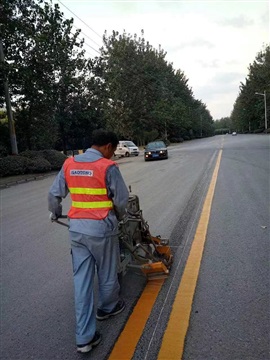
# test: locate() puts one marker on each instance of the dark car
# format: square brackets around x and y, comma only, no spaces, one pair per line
[155,150]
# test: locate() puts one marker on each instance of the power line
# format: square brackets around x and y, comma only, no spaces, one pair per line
[89,54]
[86,35]
[144,81]
[85,43]
[80,19]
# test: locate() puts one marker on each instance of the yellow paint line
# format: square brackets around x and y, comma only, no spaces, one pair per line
[172,346]
[125,346]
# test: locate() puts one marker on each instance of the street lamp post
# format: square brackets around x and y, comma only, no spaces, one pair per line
[265,109]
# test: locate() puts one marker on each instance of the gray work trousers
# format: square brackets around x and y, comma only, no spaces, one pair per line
[89,253]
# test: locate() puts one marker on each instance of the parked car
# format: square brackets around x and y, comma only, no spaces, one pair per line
[234,133]
[155,150]
[126,148]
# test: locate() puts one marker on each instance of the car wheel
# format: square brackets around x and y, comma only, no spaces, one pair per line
[127,154]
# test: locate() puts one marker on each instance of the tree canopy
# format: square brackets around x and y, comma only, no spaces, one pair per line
[248,113]
[59,96]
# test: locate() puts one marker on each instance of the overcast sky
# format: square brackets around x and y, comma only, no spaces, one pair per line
[212,42]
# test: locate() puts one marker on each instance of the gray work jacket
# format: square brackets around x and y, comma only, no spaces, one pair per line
[117,191]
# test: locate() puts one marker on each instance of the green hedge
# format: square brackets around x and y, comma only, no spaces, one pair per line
[177,140]
[13,165]
[29,162]
[257,131]
[55,158]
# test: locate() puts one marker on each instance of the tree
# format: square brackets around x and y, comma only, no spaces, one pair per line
[143,91]
[59,96]
[47,72]
[248,110]
[223,125]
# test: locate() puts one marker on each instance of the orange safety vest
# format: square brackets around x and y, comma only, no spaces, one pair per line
[87,186]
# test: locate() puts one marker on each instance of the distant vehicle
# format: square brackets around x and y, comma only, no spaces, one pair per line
[234,133]
[126,148]
[155,150]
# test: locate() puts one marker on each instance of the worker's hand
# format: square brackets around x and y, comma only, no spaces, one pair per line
[53,217]
[123,219]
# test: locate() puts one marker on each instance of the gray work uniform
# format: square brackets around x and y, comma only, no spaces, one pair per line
[94,243]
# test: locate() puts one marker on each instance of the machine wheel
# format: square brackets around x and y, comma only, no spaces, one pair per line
[127,154]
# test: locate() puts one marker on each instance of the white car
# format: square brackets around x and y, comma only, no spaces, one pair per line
[126,148]
[234,133]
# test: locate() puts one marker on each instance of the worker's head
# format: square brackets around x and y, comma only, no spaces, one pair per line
[105,142]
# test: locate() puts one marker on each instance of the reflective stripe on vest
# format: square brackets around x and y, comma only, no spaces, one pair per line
[92,204]
[88,191]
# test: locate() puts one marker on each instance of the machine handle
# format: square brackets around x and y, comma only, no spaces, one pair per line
[61,222]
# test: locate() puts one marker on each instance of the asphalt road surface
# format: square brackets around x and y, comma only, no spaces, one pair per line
[230,313]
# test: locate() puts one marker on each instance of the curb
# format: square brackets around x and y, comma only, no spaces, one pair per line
[8,184]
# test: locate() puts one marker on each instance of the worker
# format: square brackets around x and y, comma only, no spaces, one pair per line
[99,200]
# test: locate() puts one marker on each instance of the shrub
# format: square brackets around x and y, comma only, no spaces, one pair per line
[3,151]
[38,165]
[31,154]
[14,165]
[30,161]
[167,142]
[37,162]
[55,158]
[257,131]
[18,165]
[177,140]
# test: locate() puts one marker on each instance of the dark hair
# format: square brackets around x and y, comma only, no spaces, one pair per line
[102,137]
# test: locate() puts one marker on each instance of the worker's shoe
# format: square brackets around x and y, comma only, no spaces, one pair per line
[103,315]
[88,347]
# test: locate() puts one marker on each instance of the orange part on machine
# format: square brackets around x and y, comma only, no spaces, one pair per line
[157,267]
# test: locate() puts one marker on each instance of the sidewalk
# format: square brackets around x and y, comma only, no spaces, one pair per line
[8,181]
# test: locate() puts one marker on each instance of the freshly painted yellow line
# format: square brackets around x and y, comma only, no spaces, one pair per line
[172,346]
[126,343]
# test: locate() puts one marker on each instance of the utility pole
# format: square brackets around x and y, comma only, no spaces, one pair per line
[14,149]
[265,109]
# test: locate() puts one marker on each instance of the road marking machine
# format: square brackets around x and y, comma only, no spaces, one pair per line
[138,248]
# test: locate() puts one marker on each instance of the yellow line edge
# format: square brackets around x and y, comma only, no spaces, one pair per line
[172,346]
[126,344]
[173,341]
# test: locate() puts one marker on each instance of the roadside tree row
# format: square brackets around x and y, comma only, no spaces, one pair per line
[248,113]
[59,95]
